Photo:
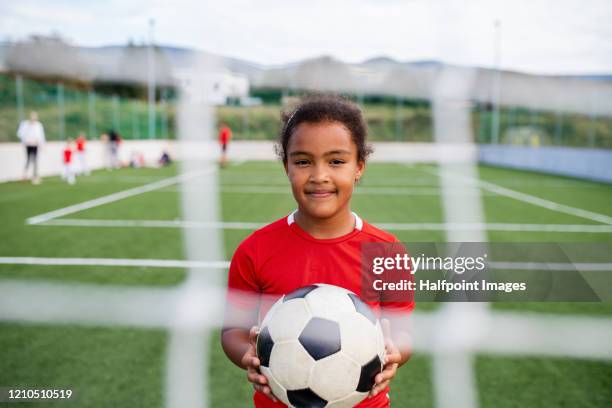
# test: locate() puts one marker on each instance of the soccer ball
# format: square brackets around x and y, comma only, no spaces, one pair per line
[320,346]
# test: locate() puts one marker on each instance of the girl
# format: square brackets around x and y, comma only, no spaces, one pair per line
[323,149]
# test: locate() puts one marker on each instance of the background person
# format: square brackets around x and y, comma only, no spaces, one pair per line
[32,136]
[225,134]
[81,160]
[114,140]
[68,167]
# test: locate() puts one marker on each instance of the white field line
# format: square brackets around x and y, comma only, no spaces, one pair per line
[111,198]
[551,266]
[155,263]
[76,222]
[237,179]
[528,198]
[177,263]
[586,228]
[506,333]
[286,190]
[573,228]
[133,179]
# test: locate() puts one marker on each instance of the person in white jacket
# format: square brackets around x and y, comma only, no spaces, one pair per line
[32,136]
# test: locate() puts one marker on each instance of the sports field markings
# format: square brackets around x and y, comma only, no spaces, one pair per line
[134,179]
[155,263]
[76,222]
[528,198]
[551,266]
[286,190]
[179,263]
[113,197]
[506,227]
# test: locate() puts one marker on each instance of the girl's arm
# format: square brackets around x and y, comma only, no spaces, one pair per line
[239,345]
[235,343]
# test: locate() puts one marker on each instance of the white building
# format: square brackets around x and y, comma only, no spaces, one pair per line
[213,87]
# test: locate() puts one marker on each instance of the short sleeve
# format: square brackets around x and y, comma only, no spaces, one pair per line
[243,293]
[398,302]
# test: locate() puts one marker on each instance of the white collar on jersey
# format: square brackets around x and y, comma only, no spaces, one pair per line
[358,221]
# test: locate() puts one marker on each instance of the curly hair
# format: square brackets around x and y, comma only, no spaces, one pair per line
[325,108]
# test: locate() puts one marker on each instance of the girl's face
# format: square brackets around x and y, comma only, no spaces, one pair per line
[322,167]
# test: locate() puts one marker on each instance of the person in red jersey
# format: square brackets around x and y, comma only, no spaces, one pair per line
[80,154]
[68,168]
[323,149]
[225,135]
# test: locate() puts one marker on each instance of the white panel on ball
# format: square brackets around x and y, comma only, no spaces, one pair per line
[334,377]
[349,401]
[380,342]
[359,338]
[277,389]
[291,365]
[288,320]
[328,302]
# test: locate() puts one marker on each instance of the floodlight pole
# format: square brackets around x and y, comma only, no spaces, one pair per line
[496,85]
[151,64]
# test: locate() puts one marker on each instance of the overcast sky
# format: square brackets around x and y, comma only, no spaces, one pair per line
[560,36]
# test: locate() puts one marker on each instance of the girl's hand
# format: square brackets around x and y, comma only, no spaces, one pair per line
[251,363]
[392,359]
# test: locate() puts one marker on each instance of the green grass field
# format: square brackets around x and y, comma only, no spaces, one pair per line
[125,367]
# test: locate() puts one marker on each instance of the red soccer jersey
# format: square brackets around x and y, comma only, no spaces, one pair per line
[282,257]
[225,134]
[67,155]
[80,144]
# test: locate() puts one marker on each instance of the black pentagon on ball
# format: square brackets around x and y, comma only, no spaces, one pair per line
[264,346]
[305,398]
[320,338]
[299,293]
[368,372]
[363,308]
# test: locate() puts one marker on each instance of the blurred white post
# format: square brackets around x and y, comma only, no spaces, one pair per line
[496,85]
[151,66]
[187,379]
[91,102]
[454,377]
[60,109]
[19,94]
